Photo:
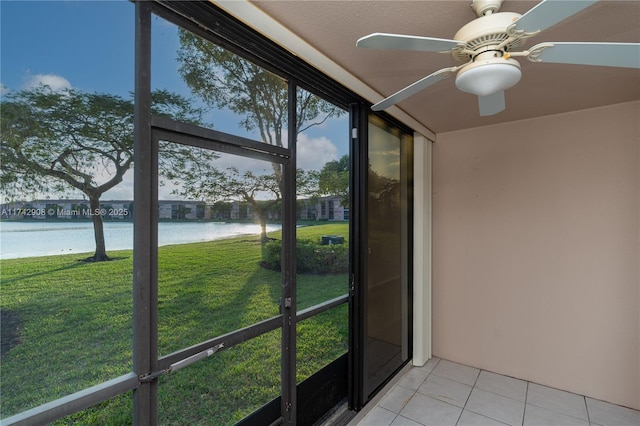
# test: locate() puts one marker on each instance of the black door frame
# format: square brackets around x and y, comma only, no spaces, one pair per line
[150,368]
[358,115]
[359,123]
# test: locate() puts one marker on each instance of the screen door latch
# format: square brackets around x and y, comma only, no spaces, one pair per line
[182,363]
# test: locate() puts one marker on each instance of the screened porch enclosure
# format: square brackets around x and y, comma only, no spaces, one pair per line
[261,327]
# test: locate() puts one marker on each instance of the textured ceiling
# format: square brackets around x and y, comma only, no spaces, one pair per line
[334,26]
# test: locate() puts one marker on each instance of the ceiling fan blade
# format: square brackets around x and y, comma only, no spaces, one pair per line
[491,104]
[548,13]
[624,55]
[407,42]
[413,88]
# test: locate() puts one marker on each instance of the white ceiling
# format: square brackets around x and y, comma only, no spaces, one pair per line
[333,27]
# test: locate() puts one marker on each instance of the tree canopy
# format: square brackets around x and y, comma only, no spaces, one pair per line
[222,79]
[333,179]
[225,80]
[53,140]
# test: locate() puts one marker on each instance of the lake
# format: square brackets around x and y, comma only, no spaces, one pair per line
[35,238]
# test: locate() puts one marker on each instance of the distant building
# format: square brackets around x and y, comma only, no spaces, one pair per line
[182,210]
[325,208]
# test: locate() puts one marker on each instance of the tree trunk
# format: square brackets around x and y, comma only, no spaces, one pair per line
[98,231]
[263,227]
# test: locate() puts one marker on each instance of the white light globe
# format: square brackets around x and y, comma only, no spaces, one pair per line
[486,78]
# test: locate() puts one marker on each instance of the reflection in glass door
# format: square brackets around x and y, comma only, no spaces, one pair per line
[386,345]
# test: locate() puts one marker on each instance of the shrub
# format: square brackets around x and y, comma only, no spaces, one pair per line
[271,255]
[311,258]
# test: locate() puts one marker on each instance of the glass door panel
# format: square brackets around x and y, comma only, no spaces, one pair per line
[387,291]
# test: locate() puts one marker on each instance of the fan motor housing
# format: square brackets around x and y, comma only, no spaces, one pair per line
[485,33]
[485,7]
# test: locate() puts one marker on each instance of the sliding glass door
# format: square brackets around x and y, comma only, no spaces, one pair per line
[387,291]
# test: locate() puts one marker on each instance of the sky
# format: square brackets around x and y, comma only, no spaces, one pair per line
[89,46]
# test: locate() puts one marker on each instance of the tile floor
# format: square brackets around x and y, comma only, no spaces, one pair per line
[443,393]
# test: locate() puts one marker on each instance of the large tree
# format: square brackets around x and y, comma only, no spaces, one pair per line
[333,179]
[226,81]
[53,140]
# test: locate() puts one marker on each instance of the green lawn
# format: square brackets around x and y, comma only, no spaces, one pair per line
[69,325]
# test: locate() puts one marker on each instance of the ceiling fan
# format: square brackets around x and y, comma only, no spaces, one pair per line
[488,44]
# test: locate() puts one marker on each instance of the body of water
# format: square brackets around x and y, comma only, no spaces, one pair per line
[35,238]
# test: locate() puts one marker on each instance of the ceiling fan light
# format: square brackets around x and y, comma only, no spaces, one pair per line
[486,78]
